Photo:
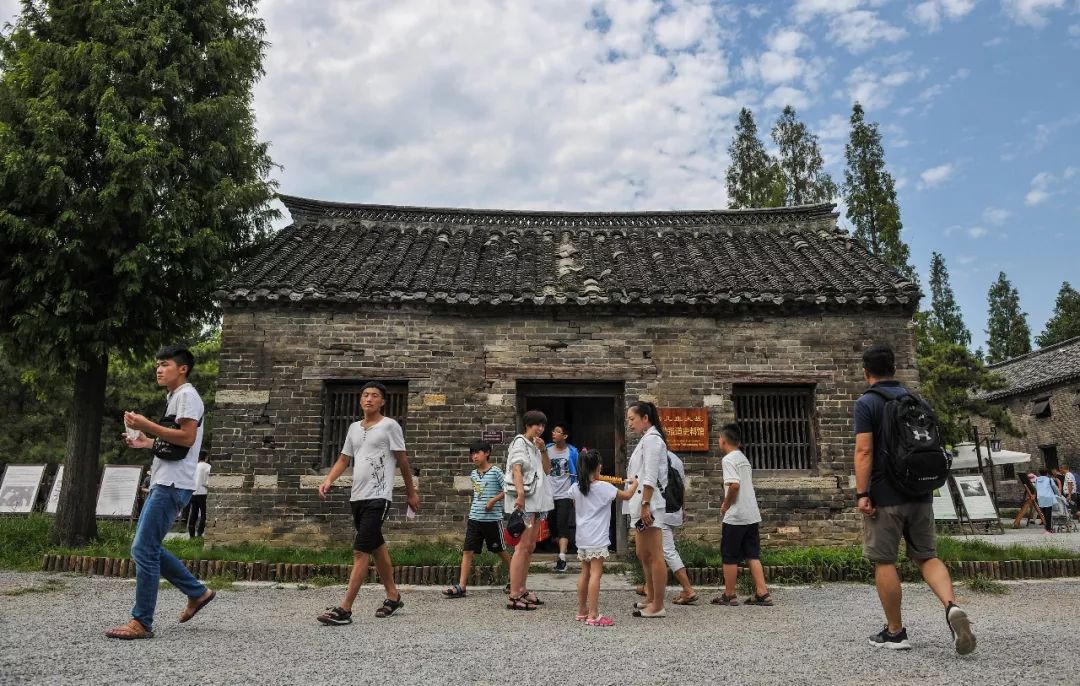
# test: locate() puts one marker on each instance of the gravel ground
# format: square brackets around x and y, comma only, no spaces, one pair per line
[267,635]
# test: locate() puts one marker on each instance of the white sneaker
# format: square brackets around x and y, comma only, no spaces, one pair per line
[960,626]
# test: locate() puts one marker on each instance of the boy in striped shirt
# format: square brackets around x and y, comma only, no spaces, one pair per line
[485,515]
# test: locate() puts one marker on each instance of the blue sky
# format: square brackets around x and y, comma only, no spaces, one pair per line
[630,104]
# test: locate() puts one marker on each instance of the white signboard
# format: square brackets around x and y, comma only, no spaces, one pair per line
[944,509]
[976,498]
[54,494]
[119,487]
[19,489]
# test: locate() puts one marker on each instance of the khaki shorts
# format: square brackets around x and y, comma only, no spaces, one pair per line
[914,522]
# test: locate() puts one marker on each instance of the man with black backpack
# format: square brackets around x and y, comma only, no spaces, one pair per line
[899,460]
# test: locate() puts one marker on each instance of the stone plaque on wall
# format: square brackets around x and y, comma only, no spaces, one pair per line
[687,428]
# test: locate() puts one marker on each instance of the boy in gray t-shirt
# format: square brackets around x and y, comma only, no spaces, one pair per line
[740,539]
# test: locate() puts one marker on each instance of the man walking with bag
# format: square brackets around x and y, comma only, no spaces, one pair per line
[894,508]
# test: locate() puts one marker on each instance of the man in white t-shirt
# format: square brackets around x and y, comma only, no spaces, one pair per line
[564,459]
[376,447]
[740,539]
[172,482]
[196,521]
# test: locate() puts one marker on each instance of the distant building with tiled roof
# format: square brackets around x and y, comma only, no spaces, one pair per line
[1042,395]
[473,316]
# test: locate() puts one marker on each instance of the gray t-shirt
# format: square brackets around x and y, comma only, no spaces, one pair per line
[562,479]
[737,471]
[372,450]
[183,403]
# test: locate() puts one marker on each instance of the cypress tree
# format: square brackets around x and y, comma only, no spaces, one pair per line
[805,180]
[1007,327]
[870,193]
[753,178]
[945,322]
[1065,322]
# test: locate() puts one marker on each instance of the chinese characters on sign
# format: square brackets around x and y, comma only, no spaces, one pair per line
[687,428]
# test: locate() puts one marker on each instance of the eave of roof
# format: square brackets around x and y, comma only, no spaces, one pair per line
[1041,369]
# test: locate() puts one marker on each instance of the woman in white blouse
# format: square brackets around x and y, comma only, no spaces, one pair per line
[648,464]
[527,467]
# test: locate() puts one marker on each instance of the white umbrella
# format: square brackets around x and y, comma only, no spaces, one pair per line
[965,457]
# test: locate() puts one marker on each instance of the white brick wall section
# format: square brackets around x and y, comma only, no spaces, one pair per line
[242,397]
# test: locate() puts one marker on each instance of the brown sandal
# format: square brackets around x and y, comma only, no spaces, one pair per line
[132,631]
[191,610]
[389,607]
[685,600]
[723,599]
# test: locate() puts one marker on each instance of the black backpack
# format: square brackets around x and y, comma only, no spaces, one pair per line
[675,491]
[916,461]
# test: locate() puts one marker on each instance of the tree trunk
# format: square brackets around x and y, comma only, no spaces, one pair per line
[76,520]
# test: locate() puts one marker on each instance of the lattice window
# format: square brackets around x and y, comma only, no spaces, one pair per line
[777,425]
[341,407]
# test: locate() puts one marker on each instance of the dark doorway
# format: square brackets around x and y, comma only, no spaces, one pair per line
[595,414]
[1050,456]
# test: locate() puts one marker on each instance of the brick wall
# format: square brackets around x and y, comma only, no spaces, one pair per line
[276,360]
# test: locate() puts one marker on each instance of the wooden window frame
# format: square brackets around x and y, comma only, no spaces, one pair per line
[341,407]
[776,419]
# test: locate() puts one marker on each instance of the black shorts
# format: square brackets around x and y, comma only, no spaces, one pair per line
[562,522]
[367,517]
[478,533]
[740,542]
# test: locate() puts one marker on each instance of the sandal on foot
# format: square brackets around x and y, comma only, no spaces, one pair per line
[724,599]
[763,600]
[389,607]
[685,600]
[455,591]
[580,618]
[506,589]
[533,600]
[600,621]
[132,631]
[335,616]
[519,602]
[650,615]
[191,610]
[640,590]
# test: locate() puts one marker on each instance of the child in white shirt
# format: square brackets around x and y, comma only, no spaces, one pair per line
[592,508]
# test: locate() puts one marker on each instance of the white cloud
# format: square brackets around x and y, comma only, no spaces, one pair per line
[1041,189]
[1030,12]
[786,95]
[977,232]
[996,215]
[935,176]
[805,10]
[930,14]
[1044,132]
[874,89]
[523,105]
[966,259]
[861,30]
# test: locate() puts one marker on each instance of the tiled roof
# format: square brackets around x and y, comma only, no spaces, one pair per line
[1039,369]
[337,252]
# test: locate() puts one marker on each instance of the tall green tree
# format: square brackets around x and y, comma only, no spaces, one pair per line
[805,179]
[952,379]
[1065,322]
[131,180]
[1007,327]
[753,178]
[870,194]
[944,322]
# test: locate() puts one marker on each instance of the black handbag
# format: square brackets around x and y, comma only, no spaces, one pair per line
[170,452]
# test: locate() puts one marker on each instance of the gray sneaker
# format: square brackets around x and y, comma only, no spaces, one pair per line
[960,626]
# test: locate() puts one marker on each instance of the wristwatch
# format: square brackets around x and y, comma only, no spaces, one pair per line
[860,496]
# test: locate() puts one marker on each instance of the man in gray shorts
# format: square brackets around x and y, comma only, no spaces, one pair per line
[890,515]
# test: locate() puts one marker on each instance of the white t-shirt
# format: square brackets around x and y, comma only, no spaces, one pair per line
[675,518]
[737,471]
[561,479]
[202,476]
[523,452]
[372,451]
[647,464]
[183,403]
[592,514]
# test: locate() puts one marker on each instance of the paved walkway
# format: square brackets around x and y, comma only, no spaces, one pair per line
[1030,536]
[267,635]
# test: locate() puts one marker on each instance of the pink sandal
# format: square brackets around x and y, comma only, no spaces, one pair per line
[600,621]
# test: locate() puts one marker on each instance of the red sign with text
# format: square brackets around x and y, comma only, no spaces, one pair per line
[687,428]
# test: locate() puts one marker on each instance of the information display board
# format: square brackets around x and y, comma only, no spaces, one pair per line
[54,493]
[119,488]
[976,498]
[19,489]
[944,509]
[687,428]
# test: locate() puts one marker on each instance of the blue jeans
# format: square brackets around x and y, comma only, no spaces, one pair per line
[152,560]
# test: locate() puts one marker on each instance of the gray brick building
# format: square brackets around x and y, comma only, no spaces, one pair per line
[474,316]
[1042,396]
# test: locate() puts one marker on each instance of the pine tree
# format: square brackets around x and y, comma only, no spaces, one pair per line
[944,320]
[952,379]
[753,178]
[805,182]
[1065,322]
[1007,327]
[131,180]
[870,193]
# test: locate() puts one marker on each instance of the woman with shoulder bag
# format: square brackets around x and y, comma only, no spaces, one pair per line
[528,488]
[648,464]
